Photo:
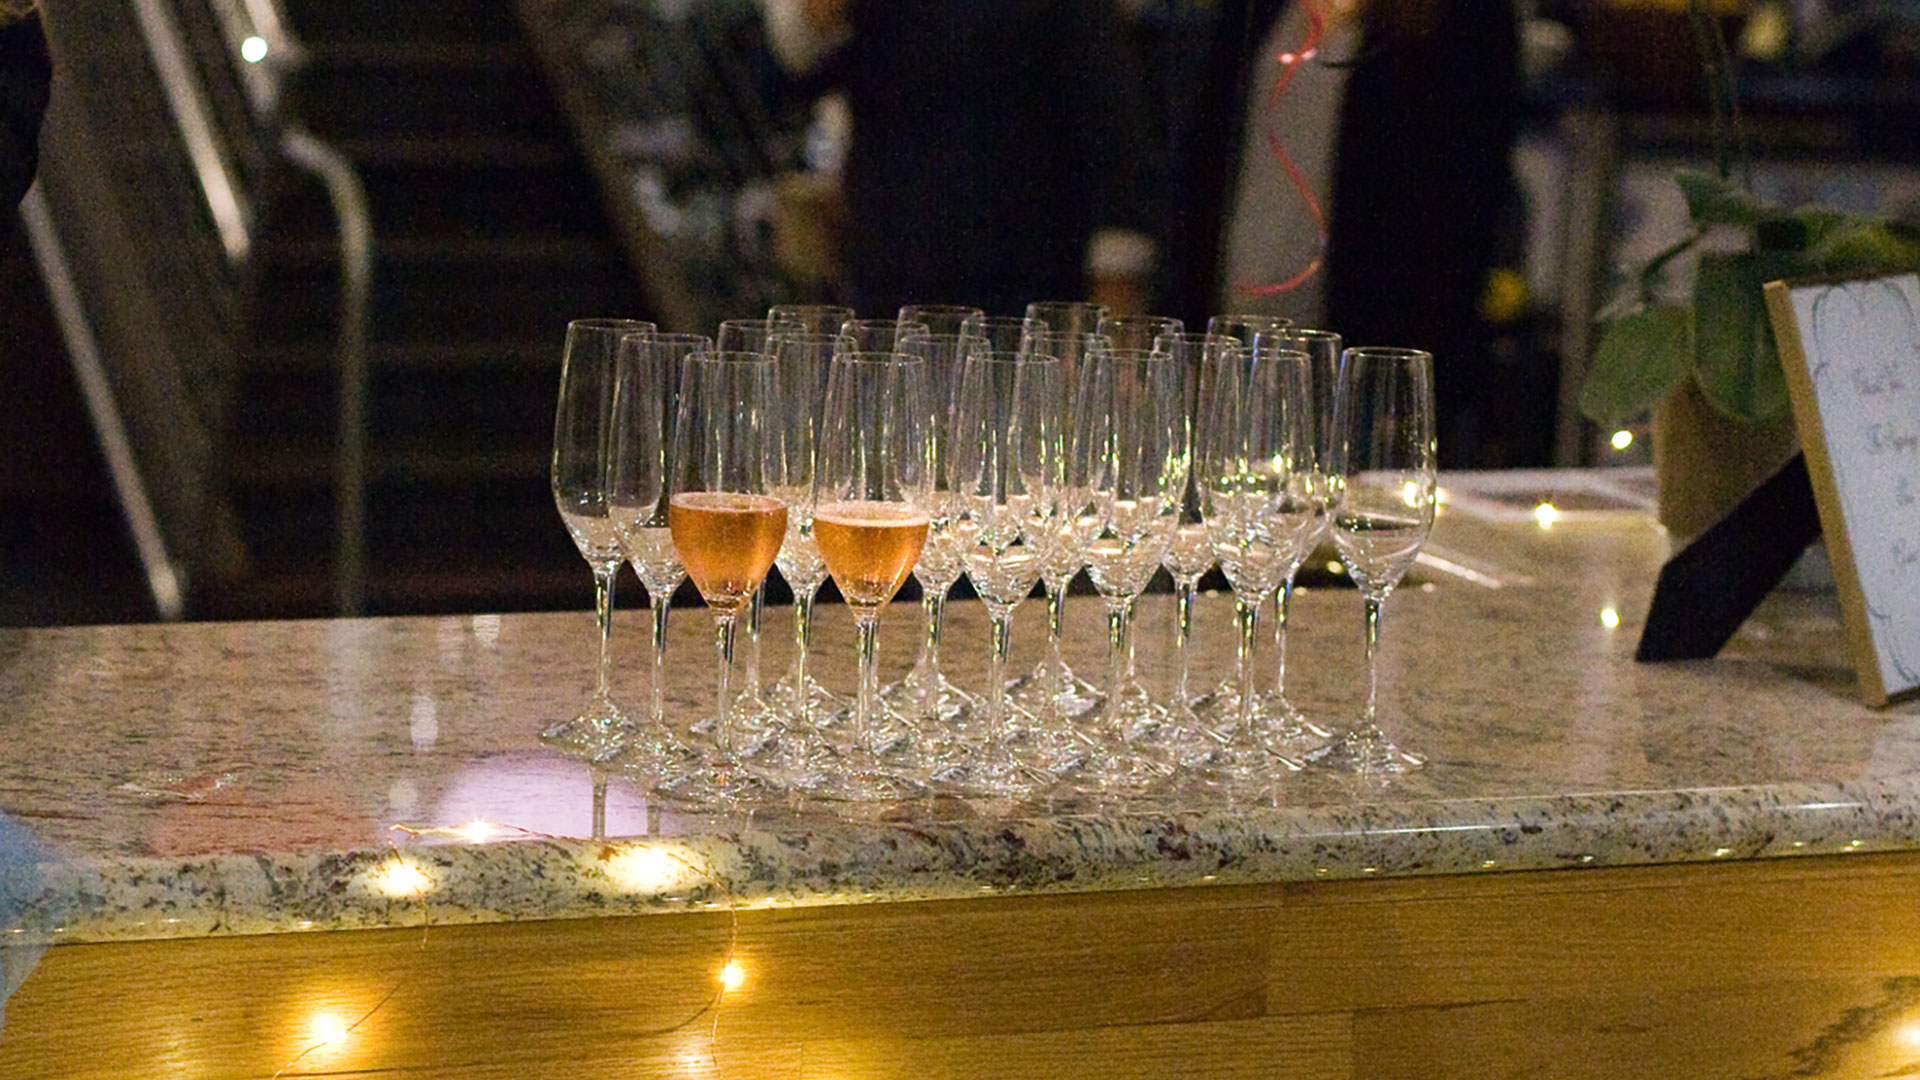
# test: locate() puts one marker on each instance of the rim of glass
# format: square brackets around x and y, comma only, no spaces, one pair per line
[1305,333]
[630,325]
[876,357]
[732,356]
[1387,352]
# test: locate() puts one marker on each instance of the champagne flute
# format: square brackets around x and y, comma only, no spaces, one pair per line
[1007,409]
[802,364]
[1190,555]
[725,522]
[1322,348]
[1257,447]
[582,425]
[1052,690]
[871,494]
[1003,333]
[643,530]
[813,318]
[1385,485]
[941,711]
[1128,438]
[636,487]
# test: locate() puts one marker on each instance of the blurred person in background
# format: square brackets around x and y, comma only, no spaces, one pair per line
[25,74]
[998,150]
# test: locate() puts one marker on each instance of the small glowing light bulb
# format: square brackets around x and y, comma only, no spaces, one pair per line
[1622,439]
[400,878]
[732,975]
[253,50]
[644,869]
[329,1029]
[1410,493]
[1334,567]
[1546,514]
[1609,618]
[477,831]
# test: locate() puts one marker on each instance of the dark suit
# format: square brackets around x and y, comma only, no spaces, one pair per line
[990,139]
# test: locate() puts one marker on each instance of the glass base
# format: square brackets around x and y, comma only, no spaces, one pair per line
[809,704]
[927,695]
[1052,690]
[597,733]
[1365,751]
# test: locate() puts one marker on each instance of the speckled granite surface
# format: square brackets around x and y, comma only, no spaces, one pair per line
[246,778]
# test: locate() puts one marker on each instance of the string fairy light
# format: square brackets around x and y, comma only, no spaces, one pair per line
[633,865]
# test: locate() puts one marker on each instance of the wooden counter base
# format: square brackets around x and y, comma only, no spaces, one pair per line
[1803,967]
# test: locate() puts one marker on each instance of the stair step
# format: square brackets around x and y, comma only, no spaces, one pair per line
[374,22]
[306,464]
[548,193]
[318,358]
[450,91]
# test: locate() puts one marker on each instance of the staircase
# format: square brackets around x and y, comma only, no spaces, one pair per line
[489,235]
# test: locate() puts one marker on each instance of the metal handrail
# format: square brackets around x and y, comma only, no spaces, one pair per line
[164,579]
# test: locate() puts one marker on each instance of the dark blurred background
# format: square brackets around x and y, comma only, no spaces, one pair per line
[183,308]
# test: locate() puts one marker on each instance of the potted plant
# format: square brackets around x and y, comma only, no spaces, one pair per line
[1705,363]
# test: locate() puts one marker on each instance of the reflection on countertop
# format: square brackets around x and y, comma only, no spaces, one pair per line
[227,778]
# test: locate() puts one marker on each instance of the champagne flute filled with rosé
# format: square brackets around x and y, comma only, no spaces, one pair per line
[726,522]
[872,492]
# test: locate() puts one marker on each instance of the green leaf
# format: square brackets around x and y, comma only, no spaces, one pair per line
[1735,360]
[1641,357]
[1864,246]
[1712,200]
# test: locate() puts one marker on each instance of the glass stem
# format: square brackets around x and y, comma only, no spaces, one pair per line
[869,627]
[603,611]
[933,597]
[1373,653]
[1282,604]
[1247,614]
[723,720]
[662,607]
[1182,627]
[1119,658]
[752,682]
[999,716]
[802,644]
[1056,594]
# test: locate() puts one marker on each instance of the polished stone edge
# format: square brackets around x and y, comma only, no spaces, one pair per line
[830,863]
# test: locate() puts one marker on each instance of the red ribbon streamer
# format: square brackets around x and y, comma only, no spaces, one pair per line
[1290,61]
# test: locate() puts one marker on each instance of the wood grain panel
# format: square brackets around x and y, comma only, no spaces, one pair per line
[1736,969]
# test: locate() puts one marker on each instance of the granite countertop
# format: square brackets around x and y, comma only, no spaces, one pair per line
[232,778]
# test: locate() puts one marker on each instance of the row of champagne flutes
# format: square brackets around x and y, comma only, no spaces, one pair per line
[1013,450]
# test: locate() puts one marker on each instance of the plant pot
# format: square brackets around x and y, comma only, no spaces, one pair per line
[1706,463]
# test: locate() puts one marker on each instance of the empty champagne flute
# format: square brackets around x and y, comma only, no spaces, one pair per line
[941,712]
[1258,444]
[725,521]
[1007,409]
[582,427]
[636,489]
[802,364]
[1128,442]
[1190,555]
[1322,348]
[870,519]
[643,531]
[1052,690]
[1385,485]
